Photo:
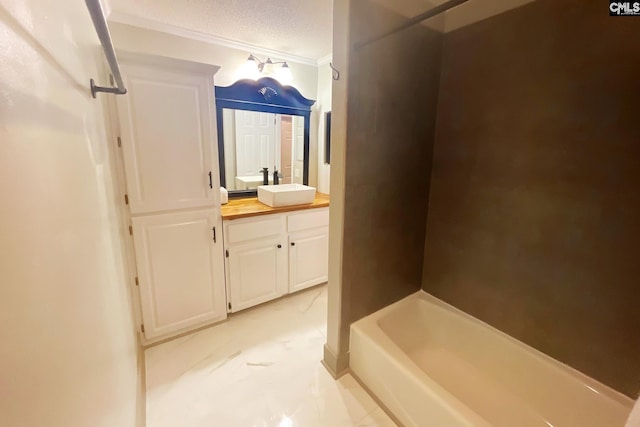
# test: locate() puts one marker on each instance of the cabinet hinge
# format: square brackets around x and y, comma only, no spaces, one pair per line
[215,240]
[142,328]
[126,199]
[131,230]
[137,281]
[226,253]
[229,306]
[119,142]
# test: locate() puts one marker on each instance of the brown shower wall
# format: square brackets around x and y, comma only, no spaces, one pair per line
[391,120]
[534,211]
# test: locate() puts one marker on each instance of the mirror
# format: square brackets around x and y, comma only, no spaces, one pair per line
[261,124]
[254,140]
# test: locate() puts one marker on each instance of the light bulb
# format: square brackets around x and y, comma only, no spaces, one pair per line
[250,69]
[268,69]
[284,74]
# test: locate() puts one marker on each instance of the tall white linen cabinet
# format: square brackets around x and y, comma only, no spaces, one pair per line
[169,150]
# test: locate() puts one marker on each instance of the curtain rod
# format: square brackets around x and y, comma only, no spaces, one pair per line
[100,24]
[413,21]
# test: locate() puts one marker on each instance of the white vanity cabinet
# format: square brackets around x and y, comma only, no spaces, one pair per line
[308,258]
[271,255]
[308,248]
[256,254]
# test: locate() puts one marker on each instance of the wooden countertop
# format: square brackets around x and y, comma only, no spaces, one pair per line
[245,208]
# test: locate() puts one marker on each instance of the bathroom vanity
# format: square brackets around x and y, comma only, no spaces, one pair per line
[270,252]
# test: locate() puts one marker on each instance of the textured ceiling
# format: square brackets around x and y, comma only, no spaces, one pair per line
[297,27]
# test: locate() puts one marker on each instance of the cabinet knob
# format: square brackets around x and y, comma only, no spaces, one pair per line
[293,243]
[279,246]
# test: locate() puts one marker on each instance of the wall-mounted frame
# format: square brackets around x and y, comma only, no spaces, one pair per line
[265,95]
[327,138]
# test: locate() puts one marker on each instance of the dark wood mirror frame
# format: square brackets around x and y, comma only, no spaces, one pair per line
[265,95]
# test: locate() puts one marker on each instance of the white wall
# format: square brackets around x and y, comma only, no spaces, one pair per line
[69,350]
[323,105]
[305,77]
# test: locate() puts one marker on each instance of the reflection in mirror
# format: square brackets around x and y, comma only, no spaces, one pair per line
[255,140]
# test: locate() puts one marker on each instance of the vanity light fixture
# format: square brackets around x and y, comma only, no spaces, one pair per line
[255,68]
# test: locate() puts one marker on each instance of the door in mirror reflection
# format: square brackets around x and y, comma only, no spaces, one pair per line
[254,140]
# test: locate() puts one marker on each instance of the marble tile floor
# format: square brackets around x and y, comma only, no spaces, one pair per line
[260,368]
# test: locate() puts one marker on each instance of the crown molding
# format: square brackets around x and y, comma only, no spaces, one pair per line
[136,21]
[325,59]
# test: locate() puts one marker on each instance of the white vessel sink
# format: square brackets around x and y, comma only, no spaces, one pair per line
[286,195]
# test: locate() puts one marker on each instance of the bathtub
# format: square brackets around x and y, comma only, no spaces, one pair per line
[432,365]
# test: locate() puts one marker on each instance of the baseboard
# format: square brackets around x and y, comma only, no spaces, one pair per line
[141,394]
[336,365]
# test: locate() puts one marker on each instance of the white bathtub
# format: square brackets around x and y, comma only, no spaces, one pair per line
[432,365]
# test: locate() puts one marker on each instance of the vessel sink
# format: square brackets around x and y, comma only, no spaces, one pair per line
[286,195]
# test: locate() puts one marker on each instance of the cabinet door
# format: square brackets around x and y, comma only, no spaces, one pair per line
[257,272]
[168,144]
[181,271]
[308,258]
